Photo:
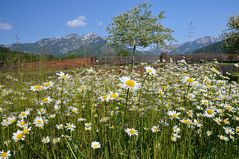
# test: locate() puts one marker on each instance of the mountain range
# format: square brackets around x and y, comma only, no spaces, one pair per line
[200,43]
[208,44]
[62,45]
[92,44]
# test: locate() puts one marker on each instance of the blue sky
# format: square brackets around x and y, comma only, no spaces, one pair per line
[33,20]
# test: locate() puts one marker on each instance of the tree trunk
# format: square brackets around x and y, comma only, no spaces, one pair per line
[134,48]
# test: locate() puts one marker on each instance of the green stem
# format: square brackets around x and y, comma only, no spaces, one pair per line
[127,98]
[140,92]
[71,149]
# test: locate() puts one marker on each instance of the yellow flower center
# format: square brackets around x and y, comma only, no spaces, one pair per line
[4,155]
[130,83]
[174,115]
[190,80]
[132,131]
[187,122]
[237,130]
[45,100]
[19,136]
[150,70]
[114,95]
[104,97]
[210,111]
[39,122]
[38,87]
[22,123]
[47,84]
[23,113]
[64,76]
[12,120]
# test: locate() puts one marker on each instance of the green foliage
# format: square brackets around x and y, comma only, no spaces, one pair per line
[124,52]
[232,35]
[8,57]
[138,27]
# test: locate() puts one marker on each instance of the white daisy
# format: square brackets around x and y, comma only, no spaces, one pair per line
[62,76]
[132,132]
[95,145]
[19,135]
[128,83]
[210,113]
[5,155]
[36,88]
[155,129]
[39,122]
[150,70]
[70,127]
[173,114]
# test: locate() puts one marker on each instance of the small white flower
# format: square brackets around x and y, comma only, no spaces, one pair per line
[155,129]
[24,114]
[56,140]
[209,133]
[45,140]
[176,129]
[74,110]
[95,145]
[229,130]
[70,127]
[59,126]
[221,137]
[173,114]
[188,80]
[105,98]
[48,85]
[81,119]
[21,123]
[62,76]
[113,95]
[150,70]
[46,100]
[11,120]
[39,122]
[132,132]
[104,119]
[36,88]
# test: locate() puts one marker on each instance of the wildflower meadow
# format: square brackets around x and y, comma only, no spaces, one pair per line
[162,110]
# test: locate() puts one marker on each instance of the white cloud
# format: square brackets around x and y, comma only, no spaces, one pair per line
[78,22]
[100,23]
[5,26]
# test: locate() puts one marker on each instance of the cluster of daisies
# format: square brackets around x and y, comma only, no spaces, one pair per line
[181,95]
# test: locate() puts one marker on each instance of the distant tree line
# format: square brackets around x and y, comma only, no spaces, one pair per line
[9,58]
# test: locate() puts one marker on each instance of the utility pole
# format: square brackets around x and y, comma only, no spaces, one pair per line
[190,31]
[17,42]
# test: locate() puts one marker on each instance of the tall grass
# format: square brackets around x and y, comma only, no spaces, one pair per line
[181,111]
